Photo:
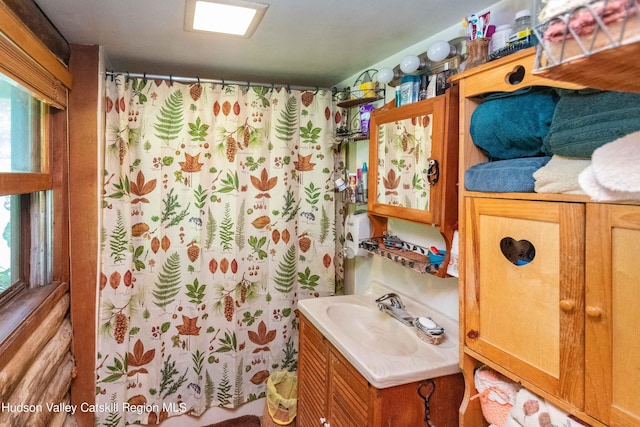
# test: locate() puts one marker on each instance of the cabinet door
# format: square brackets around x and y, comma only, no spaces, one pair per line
[403,181]
[349,396]
[612,317]
[313,365]
[524,291]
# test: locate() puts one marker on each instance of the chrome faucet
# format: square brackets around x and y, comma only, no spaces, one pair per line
[395,308]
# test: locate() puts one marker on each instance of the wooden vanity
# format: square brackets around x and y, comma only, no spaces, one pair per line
[331,392]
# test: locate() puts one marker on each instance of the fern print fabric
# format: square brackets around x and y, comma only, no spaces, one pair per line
[218,216]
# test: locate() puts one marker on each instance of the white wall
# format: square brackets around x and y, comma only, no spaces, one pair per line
[439,293]
[502,12]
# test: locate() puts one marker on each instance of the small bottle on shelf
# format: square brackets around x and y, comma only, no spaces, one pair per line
[431,88]
[522,28]
[363,180]
[423,87]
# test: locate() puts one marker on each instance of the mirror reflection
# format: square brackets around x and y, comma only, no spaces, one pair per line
[404,153]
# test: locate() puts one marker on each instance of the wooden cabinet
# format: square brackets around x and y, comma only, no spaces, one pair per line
[612,342]
[560,322]
[413,165]
[332,393]
[524,298]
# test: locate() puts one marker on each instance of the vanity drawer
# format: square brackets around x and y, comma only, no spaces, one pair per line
[524,290]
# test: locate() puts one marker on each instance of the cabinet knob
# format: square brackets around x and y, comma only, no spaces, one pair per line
[323,421]
[567,305]
[593,311]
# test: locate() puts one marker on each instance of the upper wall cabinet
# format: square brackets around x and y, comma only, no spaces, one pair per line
[413,164]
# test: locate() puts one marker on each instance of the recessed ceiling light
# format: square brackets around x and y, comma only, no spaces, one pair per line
[235,17]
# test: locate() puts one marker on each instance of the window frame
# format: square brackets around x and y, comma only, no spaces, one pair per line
[25,59]
[24,185]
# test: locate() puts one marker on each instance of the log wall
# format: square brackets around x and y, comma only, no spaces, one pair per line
[35,381]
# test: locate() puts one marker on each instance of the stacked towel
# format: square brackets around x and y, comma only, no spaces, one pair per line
[583,20]
[554,8]
[614,173]
[504,176]
[560,175]
[513,125]
[587,119]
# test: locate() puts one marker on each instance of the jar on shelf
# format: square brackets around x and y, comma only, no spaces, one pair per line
[522,28]
[500,37]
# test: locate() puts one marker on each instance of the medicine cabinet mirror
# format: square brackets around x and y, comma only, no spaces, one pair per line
[405,155]
[413,164]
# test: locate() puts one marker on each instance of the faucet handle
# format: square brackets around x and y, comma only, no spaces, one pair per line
[394,300]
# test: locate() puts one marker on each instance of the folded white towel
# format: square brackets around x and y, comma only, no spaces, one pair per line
[554,8]
[531,410]
[616,165]
[560,175]
[597,192]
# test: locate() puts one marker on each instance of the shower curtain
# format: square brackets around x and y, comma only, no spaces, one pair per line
[219,214]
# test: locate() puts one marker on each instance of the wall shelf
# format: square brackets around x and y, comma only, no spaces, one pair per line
[410,255]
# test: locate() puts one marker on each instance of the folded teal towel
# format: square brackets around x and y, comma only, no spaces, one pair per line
[512,125]
[587,119]
[504,176]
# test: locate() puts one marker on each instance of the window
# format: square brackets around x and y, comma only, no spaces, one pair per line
[26,214]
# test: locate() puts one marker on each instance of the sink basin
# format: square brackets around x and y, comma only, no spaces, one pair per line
[371,328]
[386,352]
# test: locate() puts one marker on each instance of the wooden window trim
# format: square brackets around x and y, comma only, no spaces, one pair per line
[16,31]
[22,183]
[25,56]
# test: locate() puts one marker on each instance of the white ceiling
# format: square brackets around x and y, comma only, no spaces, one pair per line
[299,42]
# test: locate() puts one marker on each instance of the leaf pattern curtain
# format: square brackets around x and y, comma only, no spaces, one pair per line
[218,216]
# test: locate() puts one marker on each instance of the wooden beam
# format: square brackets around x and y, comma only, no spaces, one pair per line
[33,17]
[84,192]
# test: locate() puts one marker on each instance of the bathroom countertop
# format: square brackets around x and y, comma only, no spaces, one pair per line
[386,352]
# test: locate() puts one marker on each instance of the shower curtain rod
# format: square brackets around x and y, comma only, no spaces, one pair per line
[216,81]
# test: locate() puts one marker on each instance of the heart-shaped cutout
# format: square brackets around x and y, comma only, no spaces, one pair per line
[518,252]
[516,76]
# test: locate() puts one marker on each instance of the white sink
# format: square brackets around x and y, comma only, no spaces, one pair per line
[371,328]
[386,352]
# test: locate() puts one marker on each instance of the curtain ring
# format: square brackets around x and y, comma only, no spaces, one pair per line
[317,89]
[198,81]
[170,80]
[289,88]
[144,78]
[273,86]
[127,79]
[248,84]
[222,84]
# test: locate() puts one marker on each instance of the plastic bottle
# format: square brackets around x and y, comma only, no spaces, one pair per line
[522,28]
[408,92]
[363,179]
[415,94]
[423,88]
[398,96]
[431,89]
